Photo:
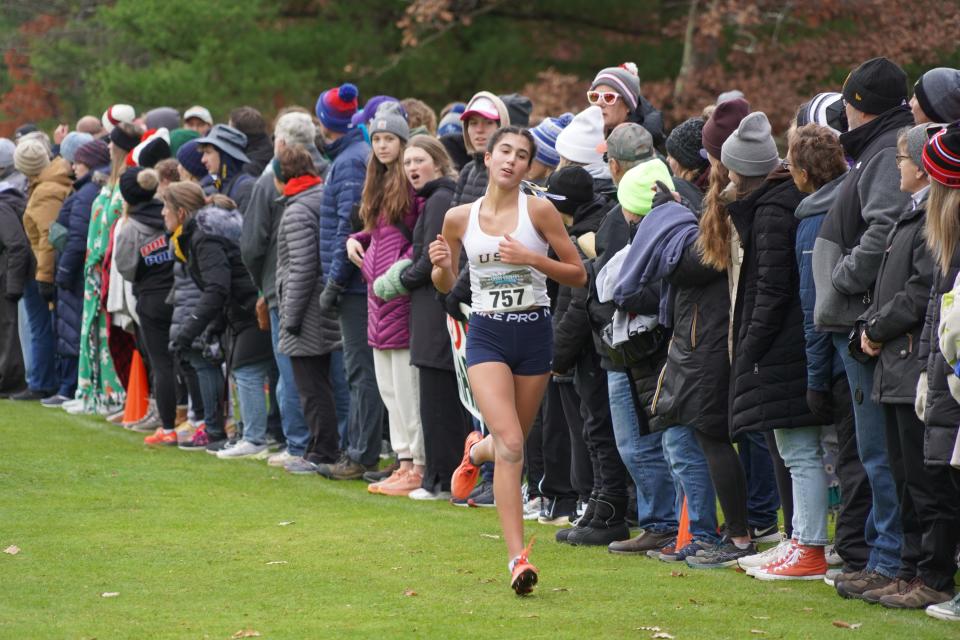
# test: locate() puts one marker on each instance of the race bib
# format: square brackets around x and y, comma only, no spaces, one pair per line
[508,291]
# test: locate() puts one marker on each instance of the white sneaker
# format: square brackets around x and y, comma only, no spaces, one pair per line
[833,558]
[531,508]
[280,459]
[72,404]
[243,449]
[751,564]
[423,494]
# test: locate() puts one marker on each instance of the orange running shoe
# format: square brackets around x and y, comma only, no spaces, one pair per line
[397,476]
[524,575]
[160,437]
[465,477]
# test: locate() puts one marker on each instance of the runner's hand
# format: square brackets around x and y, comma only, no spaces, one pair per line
[440,253]
[514,252]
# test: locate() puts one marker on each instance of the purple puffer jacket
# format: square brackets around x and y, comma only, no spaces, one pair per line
[388,323]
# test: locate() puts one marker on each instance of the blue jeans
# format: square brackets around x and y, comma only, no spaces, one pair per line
[210,381]
[884,534]
[691,479]
[42,374]
[288,398]
[801,452]
[341,396]
[25,338]
[250,379]
[763,500]
[365,431]
[643,457]
[67,371]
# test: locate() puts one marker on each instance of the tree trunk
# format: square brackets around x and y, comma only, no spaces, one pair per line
[687,63]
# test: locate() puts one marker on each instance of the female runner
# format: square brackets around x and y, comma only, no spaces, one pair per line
[506,235]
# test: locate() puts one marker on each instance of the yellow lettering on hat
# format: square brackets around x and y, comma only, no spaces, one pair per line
[857,96]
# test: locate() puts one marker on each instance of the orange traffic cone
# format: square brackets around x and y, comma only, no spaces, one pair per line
[138,391]
[683,531]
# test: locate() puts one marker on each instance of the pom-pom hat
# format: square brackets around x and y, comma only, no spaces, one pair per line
[337,106]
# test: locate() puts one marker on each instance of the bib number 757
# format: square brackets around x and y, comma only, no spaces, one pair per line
[506,298]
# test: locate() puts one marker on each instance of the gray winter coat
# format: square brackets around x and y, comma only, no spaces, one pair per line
[183,297]
[299,279]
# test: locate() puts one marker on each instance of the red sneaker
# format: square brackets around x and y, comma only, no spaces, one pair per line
[803,563]
[162,438]
[524,575]
[465,477]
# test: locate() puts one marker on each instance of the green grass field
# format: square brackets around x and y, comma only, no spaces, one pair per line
[194,548]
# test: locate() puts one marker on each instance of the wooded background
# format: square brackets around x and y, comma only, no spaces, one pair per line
[65,58]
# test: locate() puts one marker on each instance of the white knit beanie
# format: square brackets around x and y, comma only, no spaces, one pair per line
[31,157]
[578,142]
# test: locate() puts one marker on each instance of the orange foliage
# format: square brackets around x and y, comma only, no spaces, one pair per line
[28,100]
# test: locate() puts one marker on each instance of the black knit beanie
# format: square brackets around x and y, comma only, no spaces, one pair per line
[876,86]
[685,143]
[125,140]
[575,186]
[138,185]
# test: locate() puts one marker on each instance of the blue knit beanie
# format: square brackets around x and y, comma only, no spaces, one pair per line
[546,134]
[189,156]
[336,107]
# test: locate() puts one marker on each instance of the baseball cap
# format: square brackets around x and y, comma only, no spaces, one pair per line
[198,112]
[628,142]
[483,107]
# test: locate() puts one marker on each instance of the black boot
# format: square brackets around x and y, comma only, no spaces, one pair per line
[582,521]
[608,523]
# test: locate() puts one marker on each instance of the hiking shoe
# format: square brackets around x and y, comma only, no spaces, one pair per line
[243,449]
[691,550]
[465,476]
[161,437]
[29,396]
[410,481]
[342,469]
[381,474]
[668,549]
[897,586]
[949,610]
[559,512]
[646,541]
[54,401]
[523,575]
[725,554]
[916,595]
[859,584]
[771,556]
[197,442]
[802,563]
[833,576]
[425,494]
[483,497]
[374,487]
[760,535]
[300,467]
[532,508]
[281,458]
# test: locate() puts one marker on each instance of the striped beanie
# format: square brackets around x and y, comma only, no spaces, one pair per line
[624,80]
[941,157]
[337,106]
[826,110]
[546,134]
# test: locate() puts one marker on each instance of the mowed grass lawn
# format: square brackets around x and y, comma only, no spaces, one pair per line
[194,548]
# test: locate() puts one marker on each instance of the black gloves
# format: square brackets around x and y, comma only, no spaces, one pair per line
[662,195]
[330,296]
[821,405]
[47,291]
[294,330]
[452,304]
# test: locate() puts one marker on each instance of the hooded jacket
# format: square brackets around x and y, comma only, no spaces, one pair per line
[899,307]
[429,341]
[17,263]
[824,364]
[46,193]
[142,252]
[343,188]
[299,279]
[472,183]
[260,151]
[848,251]
[769,385]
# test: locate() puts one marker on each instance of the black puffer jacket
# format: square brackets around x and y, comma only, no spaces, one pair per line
[184,296]
[299,279]
[17,264]
[899,307]
[472,183]
[429,340]
[769,384]
[210,243]
[941,413]
[696,377]
[571,326]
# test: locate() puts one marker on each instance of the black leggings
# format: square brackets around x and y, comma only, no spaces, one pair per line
[312,375]
[445,425]
[155,315]
[784,483]
[729,481]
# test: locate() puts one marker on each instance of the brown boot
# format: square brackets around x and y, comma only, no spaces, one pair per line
[646,541]
[896,587]
[857,586]
[917,595]
[181,414]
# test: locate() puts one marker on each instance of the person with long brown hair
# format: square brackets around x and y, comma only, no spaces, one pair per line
[381,250]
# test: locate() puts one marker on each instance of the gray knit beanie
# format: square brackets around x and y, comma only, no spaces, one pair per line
[915,138]
[7,149]
[389,119]
[71,142]
[751,150]
[31,157]
[938,92]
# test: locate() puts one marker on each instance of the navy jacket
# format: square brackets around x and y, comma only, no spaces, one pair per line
[344,186]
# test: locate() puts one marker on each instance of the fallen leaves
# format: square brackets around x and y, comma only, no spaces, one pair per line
[677,574]
[277,562]
[847,625]
[489,535]
[410,593]
[286,523]
[648,628]
[662,635]
[559,589]
[109,594]
[246,633]
[12,550]
[758,632]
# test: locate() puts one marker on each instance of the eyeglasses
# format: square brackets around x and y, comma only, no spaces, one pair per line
[602,97]
[901,158]
[786,164]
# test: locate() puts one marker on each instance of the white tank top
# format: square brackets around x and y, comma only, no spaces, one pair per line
[496,286]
